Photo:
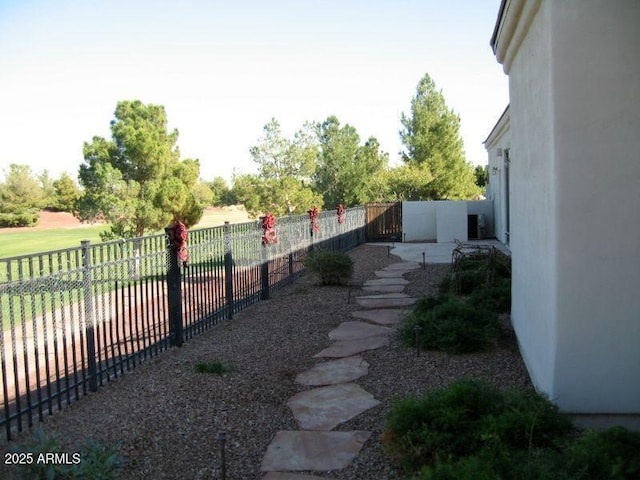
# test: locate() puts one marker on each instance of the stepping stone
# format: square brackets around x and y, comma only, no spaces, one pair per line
[381,316]
[343,370]
[389,273]
[388,300]
[325,408]
[319,451]
[408,266]
[291,476]
[384,288]
[346,348]
[386,281]
[356,330]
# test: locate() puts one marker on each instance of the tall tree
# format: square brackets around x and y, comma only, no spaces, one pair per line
[406,182]
[431,135]
[285,168]
[220,191]
[136,181]
[48,190]
[344,166]
[482,175]
[66,193]
[21,190]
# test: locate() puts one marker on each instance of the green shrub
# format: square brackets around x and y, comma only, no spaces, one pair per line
[100,461]
[499,265]
[472,418]
[467,468]
[463,282]
[611,454]
[450,324]
[474,431]
[443,424]
[495,296]
[526,420]
[92,460]
[475,272]
[217,368]
[333,267]
[24,219]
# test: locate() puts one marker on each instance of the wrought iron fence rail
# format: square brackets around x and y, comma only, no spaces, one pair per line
[74,319]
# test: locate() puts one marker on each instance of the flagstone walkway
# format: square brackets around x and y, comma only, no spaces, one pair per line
[335,397]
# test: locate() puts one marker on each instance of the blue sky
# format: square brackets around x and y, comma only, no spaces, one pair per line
[223,69]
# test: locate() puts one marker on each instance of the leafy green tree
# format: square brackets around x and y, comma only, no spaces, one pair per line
[48,191]
[369,161]
[482,175]
[285,168]
[221,193]
[21,191]
[136,181]
[406,182]
[431,135]
[280,197]
[66,193]
[203,194]
[344,166]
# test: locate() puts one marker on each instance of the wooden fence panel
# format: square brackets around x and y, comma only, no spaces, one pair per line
[384,222]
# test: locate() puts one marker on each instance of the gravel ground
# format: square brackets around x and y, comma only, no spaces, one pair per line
[166,416]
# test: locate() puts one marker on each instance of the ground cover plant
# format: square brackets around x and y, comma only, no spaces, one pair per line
[473,431]
[464,317]
[45,457]
[216,367]
[333,267]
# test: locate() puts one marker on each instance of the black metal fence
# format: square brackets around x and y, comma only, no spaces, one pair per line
[76,318]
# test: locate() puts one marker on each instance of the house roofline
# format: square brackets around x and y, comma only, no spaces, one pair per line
[498,126]
[513,23]
[496,27]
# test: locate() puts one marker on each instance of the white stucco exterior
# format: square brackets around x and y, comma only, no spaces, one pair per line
[451,221]
[498,145]
[419,221]
[444,220]
[574,85]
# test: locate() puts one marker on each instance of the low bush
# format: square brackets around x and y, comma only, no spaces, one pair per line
[611,454]
[217,368]
[450,324]
[476,272]
[25,219]
[446,423]
[333,267]
[495,296]
[92,460]
[474,431]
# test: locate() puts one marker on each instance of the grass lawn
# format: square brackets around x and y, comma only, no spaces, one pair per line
[33,241]
[25,241]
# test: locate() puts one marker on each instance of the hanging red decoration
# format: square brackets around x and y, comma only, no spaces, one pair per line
[313,215]
[178,235]
[340,212]
[268,226]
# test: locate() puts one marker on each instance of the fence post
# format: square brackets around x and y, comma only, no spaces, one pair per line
[228,269]
[264,274]
[88,316]
[310,237]
[174,288]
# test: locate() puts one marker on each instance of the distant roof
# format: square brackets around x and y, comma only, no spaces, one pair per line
[498,123]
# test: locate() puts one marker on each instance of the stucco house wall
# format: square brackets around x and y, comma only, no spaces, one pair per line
[574,85]
[443,221]
[498,145]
